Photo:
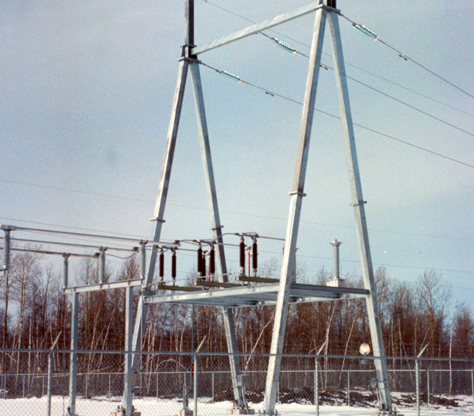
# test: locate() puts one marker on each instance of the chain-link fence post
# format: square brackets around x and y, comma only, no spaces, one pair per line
[348,388]
[87,386]
[73,356]
[195,384]
[472,388]
[417,381]
[316,384]
[157,384]
[428,388]
[128,375]
[50,380]
[213,376]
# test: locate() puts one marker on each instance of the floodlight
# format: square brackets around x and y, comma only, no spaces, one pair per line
[364,349]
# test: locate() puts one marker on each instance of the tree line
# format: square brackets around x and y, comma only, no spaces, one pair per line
[34,310]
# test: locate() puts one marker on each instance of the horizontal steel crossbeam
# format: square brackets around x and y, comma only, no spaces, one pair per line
[104,286]
[257,295]
[254,29]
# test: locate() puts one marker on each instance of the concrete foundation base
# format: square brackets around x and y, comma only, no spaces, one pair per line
[123,414]
[241,411]
[187,412]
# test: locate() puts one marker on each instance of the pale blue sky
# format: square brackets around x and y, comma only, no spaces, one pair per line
[87,89]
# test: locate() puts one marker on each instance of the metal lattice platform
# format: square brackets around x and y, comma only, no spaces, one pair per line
[254,295]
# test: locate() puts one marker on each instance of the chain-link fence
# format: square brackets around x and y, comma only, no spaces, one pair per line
[40,383]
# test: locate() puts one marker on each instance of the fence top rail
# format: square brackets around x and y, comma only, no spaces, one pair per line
[226,354]
[154,373]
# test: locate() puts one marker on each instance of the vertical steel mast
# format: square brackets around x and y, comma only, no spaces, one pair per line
[189,61]
[327,11]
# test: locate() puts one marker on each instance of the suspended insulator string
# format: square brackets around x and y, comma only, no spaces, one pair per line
[274,94]
[284,45]
[407,58]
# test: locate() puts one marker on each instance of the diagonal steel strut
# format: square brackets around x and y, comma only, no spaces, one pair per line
[359,214]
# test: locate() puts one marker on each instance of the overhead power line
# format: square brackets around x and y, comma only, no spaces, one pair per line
[402,55]
[411,106]
[275,94]
[408,89]
[291,49]
[347,63]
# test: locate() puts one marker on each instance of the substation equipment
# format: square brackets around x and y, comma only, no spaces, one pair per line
[285,291]
[249,289]
[140,247]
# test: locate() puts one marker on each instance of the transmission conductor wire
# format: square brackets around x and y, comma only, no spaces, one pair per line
[386,95]
[407,89]
[407,58]
[274,94]
[347,63]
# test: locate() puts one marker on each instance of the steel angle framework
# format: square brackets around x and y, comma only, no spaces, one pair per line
[285,291]
[126,408]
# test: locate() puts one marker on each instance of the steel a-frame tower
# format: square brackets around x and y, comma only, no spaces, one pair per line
[188,62]
[325,12]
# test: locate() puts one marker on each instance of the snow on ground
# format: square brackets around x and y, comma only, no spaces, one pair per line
[162,407]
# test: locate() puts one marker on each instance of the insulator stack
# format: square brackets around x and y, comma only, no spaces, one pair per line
[336,271]
[162,265]
[199,261]
[203,264]
[250,260]
[254,257]
[173,265]
[212,261]
[242,257]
